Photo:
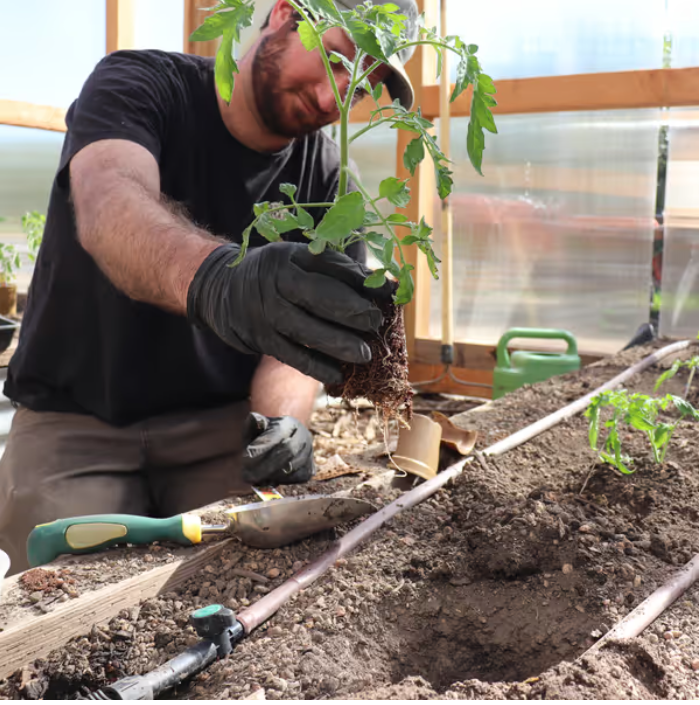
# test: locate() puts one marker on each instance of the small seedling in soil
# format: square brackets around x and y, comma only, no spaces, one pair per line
[639,411]
[378,32]
[9,264]
[691,365]
[33,224]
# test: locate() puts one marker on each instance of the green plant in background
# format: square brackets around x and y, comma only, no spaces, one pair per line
[639,411]
[378,32]
[9,263]
[33,224]
[691,365]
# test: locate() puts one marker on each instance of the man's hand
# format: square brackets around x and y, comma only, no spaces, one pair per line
[279,451]
[305,310]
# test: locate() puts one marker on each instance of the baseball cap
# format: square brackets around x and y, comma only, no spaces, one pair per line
[397,82]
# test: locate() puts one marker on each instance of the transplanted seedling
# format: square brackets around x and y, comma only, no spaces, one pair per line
[378,31]
[638,411]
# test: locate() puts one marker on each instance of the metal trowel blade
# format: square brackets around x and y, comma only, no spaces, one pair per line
[279,522]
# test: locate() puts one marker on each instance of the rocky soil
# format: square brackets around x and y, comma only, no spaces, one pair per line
[491,589]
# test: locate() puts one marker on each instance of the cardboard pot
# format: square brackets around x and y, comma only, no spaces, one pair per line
[8,299]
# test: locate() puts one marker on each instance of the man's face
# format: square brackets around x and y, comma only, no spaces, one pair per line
[293,94]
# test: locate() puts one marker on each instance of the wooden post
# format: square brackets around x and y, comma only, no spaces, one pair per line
[193,17]
[421,70]
[119,25]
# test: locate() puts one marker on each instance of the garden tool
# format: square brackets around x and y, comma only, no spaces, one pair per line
[268,524]
[527,367]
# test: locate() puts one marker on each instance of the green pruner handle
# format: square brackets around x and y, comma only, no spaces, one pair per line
[502,356]
[91,533]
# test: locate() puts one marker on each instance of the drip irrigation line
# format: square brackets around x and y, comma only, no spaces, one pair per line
[262,610]
[645,613]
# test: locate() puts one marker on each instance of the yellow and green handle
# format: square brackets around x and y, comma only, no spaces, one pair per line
[88,534]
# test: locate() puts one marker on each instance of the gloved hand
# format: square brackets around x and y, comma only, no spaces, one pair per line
[305,310]
[279,451]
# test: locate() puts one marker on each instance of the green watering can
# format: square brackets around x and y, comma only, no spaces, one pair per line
[528,367]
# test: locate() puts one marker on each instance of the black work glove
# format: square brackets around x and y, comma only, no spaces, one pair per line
[279,451]
[305,310]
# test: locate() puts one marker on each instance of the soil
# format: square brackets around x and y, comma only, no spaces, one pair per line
[491,589]
[384,381]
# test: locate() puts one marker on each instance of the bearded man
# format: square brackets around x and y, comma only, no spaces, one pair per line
[151,377]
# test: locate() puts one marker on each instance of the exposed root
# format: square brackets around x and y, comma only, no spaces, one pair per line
[384,381]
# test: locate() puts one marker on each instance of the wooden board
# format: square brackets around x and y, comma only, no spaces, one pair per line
[36,636]
[194,14]
[119,25]
[615,90]
[41,117]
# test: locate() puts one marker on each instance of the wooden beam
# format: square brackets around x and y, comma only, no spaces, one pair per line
[417,313]
[194,15]
[619,90]
[36,636]
[421,372]
[41,117]
[119,25]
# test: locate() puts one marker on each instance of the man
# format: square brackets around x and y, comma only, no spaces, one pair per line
[142,351]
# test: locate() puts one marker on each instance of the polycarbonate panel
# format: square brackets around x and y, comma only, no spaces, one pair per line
[557,37]
[684,27]
[159,24]
[28,160]
[679,281]
[48,48]
[558,234]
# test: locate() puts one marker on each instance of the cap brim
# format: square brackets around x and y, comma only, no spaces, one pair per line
[398,83]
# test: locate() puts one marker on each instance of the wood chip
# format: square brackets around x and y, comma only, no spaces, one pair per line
[256,577]
[336,467]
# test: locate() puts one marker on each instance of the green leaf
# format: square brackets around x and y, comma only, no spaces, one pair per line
[668,374]
[376,279]
[431,257]
[473,48]
[475,146]
[364,37]
[388,253]
[346,215]
[304,218]
[397,218]
[225,66]
[404,293]
[323,8]
[443,178]
[288,190]
[414,154]
[377,91]
[317,246]
[307,34]
[685,408]
[395,191]
[375,238]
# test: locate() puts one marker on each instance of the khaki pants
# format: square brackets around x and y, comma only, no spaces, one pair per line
[61,465]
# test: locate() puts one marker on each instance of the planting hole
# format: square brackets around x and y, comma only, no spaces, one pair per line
[486,630]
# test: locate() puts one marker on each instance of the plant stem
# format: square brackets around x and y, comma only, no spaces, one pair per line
[369,127]
[380,215]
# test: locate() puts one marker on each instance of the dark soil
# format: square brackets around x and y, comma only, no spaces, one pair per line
[384,381]
[491,589]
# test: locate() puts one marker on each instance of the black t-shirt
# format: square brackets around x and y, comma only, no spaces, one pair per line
[84,346]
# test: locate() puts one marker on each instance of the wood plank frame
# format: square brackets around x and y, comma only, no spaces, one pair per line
[119,25]
[193,16]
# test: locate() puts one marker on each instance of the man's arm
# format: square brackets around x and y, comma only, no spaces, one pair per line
[144,247]
[279,390]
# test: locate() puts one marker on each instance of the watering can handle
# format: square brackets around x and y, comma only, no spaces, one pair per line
[502,357]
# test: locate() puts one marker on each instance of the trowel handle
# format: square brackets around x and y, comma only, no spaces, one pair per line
[502,357]
[88,534]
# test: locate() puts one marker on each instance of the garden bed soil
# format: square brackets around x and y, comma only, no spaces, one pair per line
[491,589]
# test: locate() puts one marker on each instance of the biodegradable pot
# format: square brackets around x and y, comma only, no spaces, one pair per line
[8,299]
[418,447]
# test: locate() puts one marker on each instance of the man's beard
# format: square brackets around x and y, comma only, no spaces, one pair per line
[269,98]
